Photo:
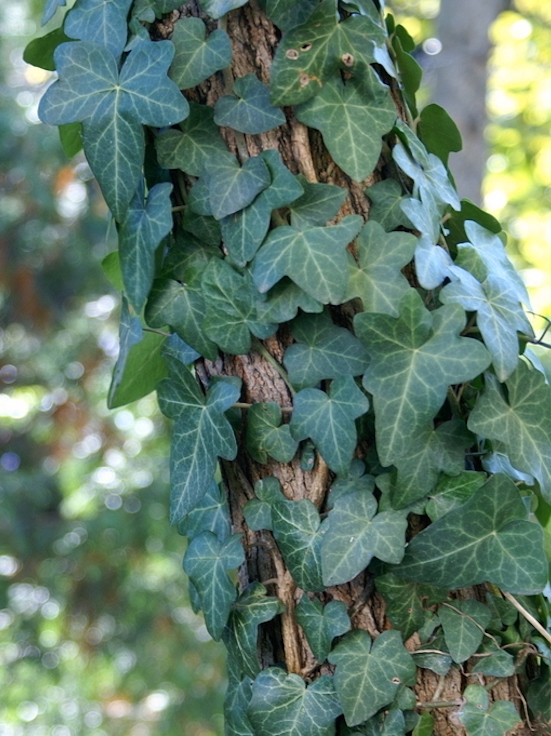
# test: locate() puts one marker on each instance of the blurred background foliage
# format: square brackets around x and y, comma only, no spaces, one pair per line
[97,637]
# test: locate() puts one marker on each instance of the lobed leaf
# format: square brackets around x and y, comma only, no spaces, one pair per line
[196,57]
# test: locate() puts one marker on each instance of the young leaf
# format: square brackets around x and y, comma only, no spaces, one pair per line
[232,187]
[282,705]
[368,674]
[40,51]
[112,108]
[522,421]
[196,57]
[200,434]
[328,419]
[463,623]
[403,353]
[481,719]
[386,199]
[438,132]
[141,230]
[207,561]
[352,117]
[266,436]
[322,351]
[486,539]
[315,259]
[101,22]
[356,534]
[322,624]
[249,109]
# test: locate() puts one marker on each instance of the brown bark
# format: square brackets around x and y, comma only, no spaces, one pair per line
[254,41]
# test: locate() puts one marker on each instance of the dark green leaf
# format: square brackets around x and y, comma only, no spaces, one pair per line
[266,436]
[287,14]
[196,57]
[236,703]
[389,723]
[352,117]
[70,136]
[481,719]
[410,70]
[539,696]
[438,132]
[463,623]
[322,624]
[210,515]
[499,663]
[453,492]
[470,211]
[357,533]
[249,109]
[40,51]
[232,187]
[284,300]
[319,204]
[207,561]
[368,675]
[282,705]
[486,539]
[386,198]
[404,602]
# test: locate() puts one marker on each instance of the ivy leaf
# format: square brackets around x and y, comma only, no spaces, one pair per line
[463,624]
[539,695]
[217,8]
[450,493]
[481,720]
[432,263]
[315,259]
[200,434]
[141,230]
[207,561]
[40,51]
[368,674]
[245,230]
[386,199]
[499,664]
[328,419]
[322,351]
[249,109]
[318,204]
[230,309]
[197,140]
[310,54]
[425,725]
[438,132]
[388,723]
[403,353]
[232,187]
[196,57]
[266,436]
[322,624]
[378,280]
[50,9]
[499,314]
[404,602]
[210,515]
[421,219]
[252,608]
[282,705]
[112,108]
[486,539]
[102,22]
[287,14]
[284,300]
[522,421]
[352,118]
[236,702]
[258,511]
[357,533]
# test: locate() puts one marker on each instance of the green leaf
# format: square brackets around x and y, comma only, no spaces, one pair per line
[368,674]
[386,199]
[438,132]
[252,608]
[102,22]
[378,279]
[287,14]
[258,511]
[318,204]
[463,623]
[112,108]
[139,366]
[389,723]
[328,419]
[210,515]
[352,117]
[425,725]
[322,624]
[539,696]
[486,539]
[200,434]
[207,561]
[183,308]
[521,420]
[196,57]
[284,300]
[404,602]
[248,110]
[245,230]
[404,352]
[282,705]
[499,664]
[357,533]
[410,70]
[141,230]
[230,309]
[217,8]
[232,187]
[50,8]
[70,136]
[236,703]
[40,51]
[479,720]
[266,436]
[499,314]
[469,211]
[315,259]
[450,493]
[322,351]
[190,147]
[310,54]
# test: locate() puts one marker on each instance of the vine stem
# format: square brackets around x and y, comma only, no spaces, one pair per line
[157,332]
[269,358]
[528,616]
[244,405]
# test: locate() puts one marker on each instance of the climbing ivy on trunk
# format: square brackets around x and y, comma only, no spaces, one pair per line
[360,426]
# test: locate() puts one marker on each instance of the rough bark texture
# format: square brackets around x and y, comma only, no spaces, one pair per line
[254,41]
